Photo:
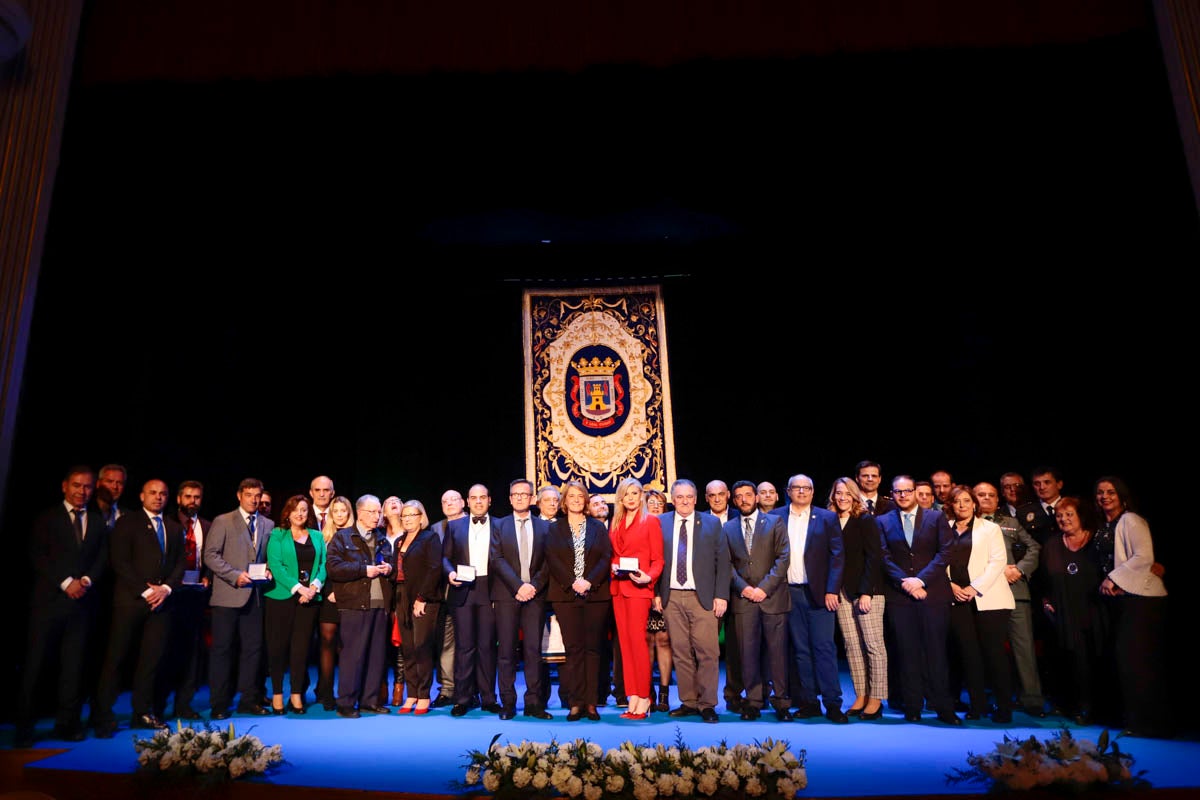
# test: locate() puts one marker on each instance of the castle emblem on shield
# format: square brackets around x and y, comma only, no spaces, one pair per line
[597,396]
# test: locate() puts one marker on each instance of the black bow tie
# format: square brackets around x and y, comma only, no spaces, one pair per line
[479,520]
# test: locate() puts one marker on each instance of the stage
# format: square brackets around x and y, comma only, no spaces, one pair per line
[425,755]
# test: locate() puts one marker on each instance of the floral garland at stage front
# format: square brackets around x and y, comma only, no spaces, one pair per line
[582,769]
[1060,762]
[204,755]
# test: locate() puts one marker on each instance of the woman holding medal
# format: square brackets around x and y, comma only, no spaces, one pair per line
[296,560]
[636,537]
[1071,600]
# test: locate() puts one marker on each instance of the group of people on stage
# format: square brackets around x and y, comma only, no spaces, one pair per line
[932,589]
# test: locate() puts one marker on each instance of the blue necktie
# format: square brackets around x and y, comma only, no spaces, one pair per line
[253,537]
[681,556]
[908,529]
[162,536]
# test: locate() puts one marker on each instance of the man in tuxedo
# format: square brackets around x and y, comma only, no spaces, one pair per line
[915,543]
[452,507]
[467,543]
[358,561]
[868,475]
[321,492]
[186,651]
[759,554]
[146,557]
[236,540]
[517,563]
[693,595]
[814,577]
[67,549]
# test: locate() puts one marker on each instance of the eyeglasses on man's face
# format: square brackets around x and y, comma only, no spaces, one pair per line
[902,492]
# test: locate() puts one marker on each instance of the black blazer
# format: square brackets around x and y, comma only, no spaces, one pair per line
[422,566]
[56,555]
[504,558]
[864,557]
[137,560]
[346,562]
[560,559]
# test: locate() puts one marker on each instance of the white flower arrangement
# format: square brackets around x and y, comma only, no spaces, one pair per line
[582,769]
[210,754]
[1061,763]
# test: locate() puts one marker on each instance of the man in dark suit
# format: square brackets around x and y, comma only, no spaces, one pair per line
[235,541]
[1037,516]
[716,493]
[452,506]
[146,556]
[67,548]
[186,652]
[915,543]
[759,556]
[517,564]
[467,544]
[110,485]
[814,576]
[693,595]
[868,476]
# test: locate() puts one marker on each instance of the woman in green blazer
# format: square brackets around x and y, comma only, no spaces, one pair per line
[296,560]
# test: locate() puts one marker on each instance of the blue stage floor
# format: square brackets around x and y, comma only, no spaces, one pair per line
[425,754]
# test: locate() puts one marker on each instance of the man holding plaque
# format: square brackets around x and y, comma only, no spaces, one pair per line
[236,553]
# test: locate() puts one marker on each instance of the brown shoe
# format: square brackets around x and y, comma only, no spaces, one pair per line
[398,694]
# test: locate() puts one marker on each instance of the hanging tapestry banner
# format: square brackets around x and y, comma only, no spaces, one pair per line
[598,399]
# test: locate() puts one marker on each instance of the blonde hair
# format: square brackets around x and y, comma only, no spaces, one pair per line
[330,526]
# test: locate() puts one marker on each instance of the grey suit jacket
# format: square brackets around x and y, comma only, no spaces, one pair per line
[765,567]
[228,552]
[710,558]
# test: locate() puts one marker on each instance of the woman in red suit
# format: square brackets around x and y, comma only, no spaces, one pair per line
[634,534]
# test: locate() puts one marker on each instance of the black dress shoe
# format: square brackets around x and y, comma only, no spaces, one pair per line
[253,710]
[808,711]
[493,708]
[507,713]
[475,702]
[460,709]
[219,713]
[735,705]
[296,709]
[949,718]
[442,701]
[375,709]
[186,713]
[592,714]
[279,712]
[876,714]
[106,730]
[683,711]
[709,715]
[537,713]
[912,716]
[1034,711]
[750,713]
[575,715]
[1002,716]
[69,733]
[329,705]
[784,715]
[349,712]
[972,715]
[854,712]
[836,716]
[147,722]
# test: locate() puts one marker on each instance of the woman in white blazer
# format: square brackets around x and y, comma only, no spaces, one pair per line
[983,604]
[1138,599]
